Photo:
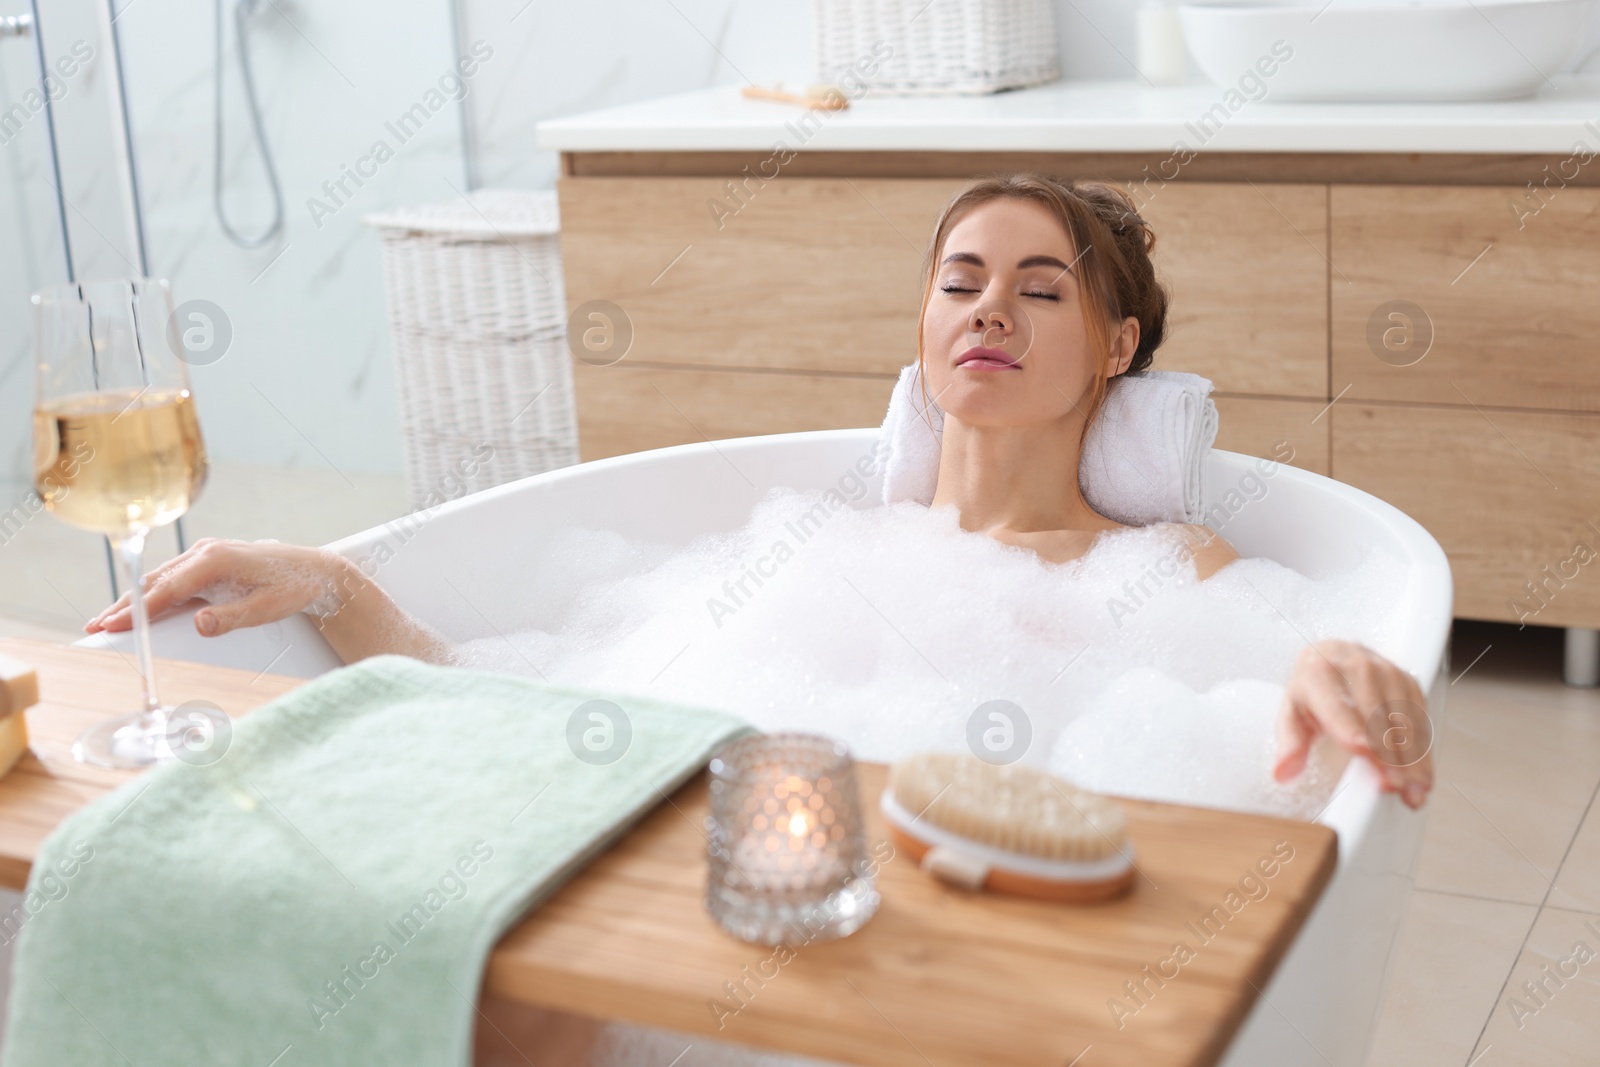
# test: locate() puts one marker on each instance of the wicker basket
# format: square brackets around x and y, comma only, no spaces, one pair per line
[478,317]
[940,46]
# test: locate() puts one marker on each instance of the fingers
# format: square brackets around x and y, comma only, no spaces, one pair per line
[94,625]
[1296,731]
[255,610]
[1403,740]
[124,602]
[1329,691]
[1396,718]
[170,586]
[123,619]
[1368,705]
[1317,700]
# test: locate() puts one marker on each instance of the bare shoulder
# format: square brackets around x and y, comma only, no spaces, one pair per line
[1210,552]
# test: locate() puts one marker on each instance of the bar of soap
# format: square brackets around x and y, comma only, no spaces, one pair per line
[19,689]
[13,741]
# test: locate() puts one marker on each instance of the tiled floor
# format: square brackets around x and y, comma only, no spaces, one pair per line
[1509,878]
[1498,964]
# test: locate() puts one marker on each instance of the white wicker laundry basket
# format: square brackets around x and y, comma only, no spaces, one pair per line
[477,311]
[939,46]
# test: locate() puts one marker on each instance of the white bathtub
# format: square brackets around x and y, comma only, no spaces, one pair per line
[473,566]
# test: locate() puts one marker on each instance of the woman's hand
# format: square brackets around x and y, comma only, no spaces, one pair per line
[245,583]
[1368,705]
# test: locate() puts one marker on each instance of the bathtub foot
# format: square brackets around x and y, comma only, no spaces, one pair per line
[1581,664]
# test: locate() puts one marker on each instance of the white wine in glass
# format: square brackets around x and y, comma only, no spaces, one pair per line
[117,450]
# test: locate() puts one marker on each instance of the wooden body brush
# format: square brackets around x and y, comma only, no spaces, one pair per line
[1010,829]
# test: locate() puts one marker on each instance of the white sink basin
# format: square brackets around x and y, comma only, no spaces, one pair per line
[1381,50]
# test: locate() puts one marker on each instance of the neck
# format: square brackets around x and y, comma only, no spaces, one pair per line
[1018,478]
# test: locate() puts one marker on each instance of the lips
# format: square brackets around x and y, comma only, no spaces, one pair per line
[982,358]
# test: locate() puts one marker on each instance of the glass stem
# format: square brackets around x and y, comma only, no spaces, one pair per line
[130,554]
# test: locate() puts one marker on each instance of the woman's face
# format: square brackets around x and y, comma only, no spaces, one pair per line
[1005,341]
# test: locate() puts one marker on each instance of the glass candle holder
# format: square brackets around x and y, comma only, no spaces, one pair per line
[787,850]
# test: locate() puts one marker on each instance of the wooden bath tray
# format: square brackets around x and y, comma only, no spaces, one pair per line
[938,977]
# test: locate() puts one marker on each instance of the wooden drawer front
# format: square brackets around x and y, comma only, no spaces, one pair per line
[1269,428]
[1512,310]
[1246,270]
[824,273]
[811,274]
[1506,499]
[625,408]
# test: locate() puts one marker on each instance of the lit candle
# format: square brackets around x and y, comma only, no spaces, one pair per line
[785,838]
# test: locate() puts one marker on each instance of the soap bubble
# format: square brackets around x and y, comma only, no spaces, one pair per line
[887,627]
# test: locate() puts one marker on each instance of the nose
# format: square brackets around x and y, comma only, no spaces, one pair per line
[993,325]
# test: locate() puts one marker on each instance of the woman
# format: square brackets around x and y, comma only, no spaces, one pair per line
[1037,293]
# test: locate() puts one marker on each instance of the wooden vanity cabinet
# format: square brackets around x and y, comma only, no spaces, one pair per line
[1483,423]
[1509,300]
[1512,496]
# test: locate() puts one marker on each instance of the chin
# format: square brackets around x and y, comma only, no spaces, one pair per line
[990,410]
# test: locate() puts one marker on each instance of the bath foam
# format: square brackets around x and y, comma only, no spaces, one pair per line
[1150,736]
[891,627]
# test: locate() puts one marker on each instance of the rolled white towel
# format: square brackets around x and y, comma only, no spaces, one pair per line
[1143,461]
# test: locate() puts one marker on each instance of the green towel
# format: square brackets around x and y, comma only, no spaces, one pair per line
[328,891]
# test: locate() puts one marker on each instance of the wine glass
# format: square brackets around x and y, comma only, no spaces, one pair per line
[117,450]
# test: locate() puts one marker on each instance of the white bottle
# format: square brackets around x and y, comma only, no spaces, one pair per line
[1162,58]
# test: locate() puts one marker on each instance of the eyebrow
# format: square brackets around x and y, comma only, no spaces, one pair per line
[1031,261]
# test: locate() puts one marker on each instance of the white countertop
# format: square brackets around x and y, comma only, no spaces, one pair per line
[1089,116]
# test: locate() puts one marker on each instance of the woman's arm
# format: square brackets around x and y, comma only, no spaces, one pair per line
[366,622]
[250,583]
[1367,704]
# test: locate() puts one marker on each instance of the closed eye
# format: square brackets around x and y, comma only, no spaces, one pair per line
[952,288]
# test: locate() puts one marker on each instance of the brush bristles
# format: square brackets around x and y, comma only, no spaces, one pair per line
[1015,808]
